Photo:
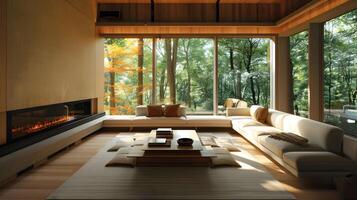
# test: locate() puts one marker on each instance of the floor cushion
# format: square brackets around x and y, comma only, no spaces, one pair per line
[208,141]
[223,159]
[121,142]
[121,160]
[318,161]
[226,143]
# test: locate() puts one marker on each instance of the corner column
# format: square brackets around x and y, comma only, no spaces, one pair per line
[316,64]
[282,75]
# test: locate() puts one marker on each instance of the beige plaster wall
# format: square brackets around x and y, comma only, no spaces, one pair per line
[51,52]
[2,71]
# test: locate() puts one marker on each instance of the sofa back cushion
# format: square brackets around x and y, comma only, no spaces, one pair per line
[235,103]
[155,111]
[172,110]
[143,111]
[259,113]
[350,147]
[323,135]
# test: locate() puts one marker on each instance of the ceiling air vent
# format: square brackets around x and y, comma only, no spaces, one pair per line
[109,13]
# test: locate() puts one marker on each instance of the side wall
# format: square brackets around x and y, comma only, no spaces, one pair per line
[2,71]
[51,53]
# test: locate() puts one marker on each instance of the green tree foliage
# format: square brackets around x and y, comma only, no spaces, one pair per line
[340,73]
[122,71]
[244,70]
[193,73]
[299,63]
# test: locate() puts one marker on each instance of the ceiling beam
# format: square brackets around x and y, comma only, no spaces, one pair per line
[315,12]
[192,30]
[217,11]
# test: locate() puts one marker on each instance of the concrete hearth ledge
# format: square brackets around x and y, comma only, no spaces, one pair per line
[12,164]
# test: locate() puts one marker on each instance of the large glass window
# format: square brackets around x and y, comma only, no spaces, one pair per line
[299,62]
[340,73]
[185,73]
[128,74]
[243,71]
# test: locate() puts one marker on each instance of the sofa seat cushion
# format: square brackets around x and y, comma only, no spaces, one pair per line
[118,121]
[318,161]
[256,131]
[251,128]
[208,121]
[143,121]
[239,121]
[279,147]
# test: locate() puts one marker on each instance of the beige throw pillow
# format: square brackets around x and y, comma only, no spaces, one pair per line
[259,113]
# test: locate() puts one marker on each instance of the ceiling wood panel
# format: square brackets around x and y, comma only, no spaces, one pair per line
[123,1]
[185,13]
[236,20]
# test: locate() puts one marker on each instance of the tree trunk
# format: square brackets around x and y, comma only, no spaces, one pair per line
[248,63]
[239,82]
[112,90]
[258,93]
[162,85]
[171,57]
[231,61]
[188,74]
[140,88]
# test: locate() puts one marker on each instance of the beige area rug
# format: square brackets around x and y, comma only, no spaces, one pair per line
[95,181]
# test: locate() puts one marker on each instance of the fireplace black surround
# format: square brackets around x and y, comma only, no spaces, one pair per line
[31,125]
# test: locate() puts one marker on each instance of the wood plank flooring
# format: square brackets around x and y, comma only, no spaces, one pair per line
[39,182]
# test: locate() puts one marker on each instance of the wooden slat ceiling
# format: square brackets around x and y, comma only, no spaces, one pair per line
[194,1]
[292,16]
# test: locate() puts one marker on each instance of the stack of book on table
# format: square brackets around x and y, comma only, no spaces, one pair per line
[159,142]
[164,133]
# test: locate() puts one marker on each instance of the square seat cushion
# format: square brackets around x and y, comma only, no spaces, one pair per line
[118,121]
[279,147]
[143,121]
[208,121]
[319,161]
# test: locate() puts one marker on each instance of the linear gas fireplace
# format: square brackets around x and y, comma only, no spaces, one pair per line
[31,125]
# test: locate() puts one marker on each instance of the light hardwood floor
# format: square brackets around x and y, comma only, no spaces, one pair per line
[39,182]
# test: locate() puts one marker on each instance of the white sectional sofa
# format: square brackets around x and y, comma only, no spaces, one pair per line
[325,154]
[328,152]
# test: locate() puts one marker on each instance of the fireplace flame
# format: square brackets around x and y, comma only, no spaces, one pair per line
[31,128]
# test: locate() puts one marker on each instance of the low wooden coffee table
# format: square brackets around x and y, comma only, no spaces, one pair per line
[175,155]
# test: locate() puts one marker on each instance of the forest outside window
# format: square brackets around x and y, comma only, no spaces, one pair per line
[243,71]
[340,73]
[184,72]
[128,74]
[299,63]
